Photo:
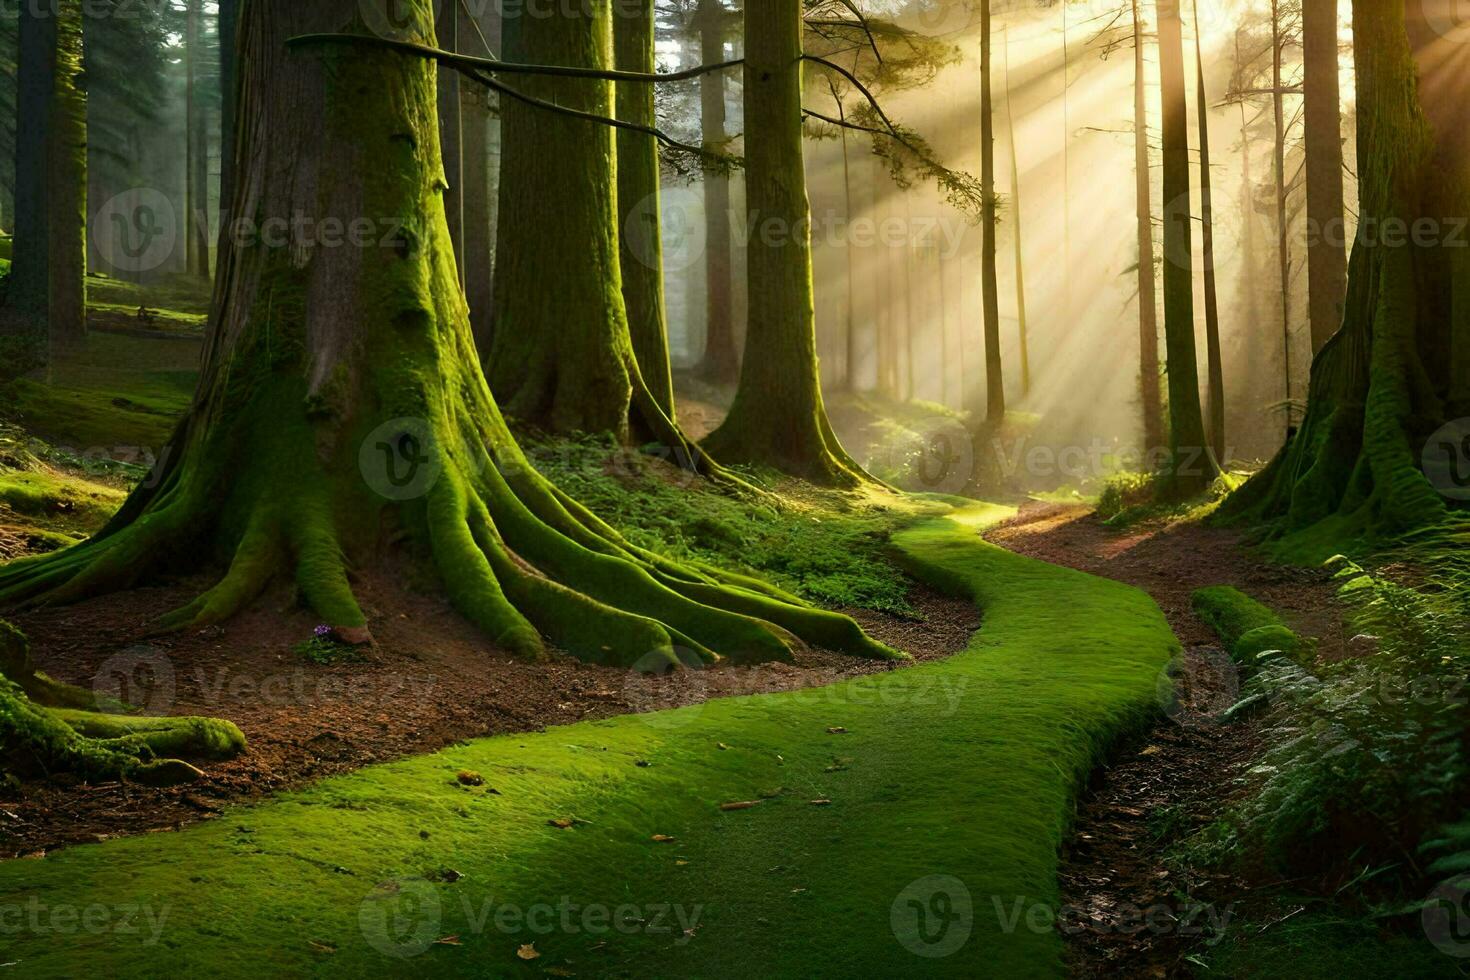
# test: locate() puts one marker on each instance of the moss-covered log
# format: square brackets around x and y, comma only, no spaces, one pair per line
[1396,372]
[778,418]
[48,727]
[342,406]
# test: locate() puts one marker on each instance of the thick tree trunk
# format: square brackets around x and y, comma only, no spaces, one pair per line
[480,118]
[451,130]
[639,226]
[1190,469]
[721,359]
[229,19]
[562,356]
[1214,358]
[995,391]
[778,418]
[1326,243]
[47,291]
[196,136]
[1150,397]
[341,406]
[1364,464]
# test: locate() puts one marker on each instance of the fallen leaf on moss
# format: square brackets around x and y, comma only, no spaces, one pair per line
[528,952]
[740,805]
[565,823]
[662,838]
[467,777]
[837,730]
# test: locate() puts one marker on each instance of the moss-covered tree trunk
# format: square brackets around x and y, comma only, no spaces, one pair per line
[562,356]
[1189,469]
[1396,371]
[196,139]
[778,418]
[721,362]
[1322,133]
[639,227]
[47,291]
[1151,400]
[342,410]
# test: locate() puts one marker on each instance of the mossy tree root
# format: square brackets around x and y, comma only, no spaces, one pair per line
[49,727]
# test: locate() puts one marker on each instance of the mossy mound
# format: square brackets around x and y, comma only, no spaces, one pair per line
[1247,627]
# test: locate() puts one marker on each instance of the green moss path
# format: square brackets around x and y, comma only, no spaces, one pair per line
[949,787]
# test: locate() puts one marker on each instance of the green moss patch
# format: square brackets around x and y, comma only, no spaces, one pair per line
[1247,627]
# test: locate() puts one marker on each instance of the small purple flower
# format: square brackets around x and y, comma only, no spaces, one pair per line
[322,632]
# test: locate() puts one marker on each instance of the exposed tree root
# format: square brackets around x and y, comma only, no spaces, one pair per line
[50,727]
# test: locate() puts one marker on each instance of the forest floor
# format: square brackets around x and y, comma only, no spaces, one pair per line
[866,827]
[431,681]
[1134,911]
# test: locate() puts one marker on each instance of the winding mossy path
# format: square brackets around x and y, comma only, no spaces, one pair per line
[962,769]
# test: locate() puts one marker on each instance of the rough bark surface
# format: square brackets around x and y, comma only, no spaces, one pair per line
[1322,127]
[778,418]
[1150,397]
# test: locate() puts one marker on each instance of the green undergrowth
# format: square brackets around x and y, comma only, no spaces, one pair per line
[1130,498]
[175,294]
[1361,792]
[940,790]
[829,547]
[115,395]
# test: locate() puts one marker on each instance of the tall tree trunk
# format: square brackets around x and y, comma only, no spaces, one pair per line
[638,205]
[778,418]
[721,359]
[1021,328]
[995,392]
[1150,397]
[1374,457]
[1326,244]
[341,404]
[47,291]
[1066,165]
[562,356]
[451,132]
[481,35]
[229,18]
[1215,371]
[1283,220]
[849,366]
[196,181]
[479,119]
[1190,469]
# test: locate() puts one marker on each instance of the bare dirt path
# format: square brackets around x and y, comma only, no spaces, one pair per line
[1123,911]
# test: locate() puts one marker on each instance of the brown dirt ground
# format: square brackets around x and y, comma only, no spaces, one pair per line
[1113,867]
[431,681]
